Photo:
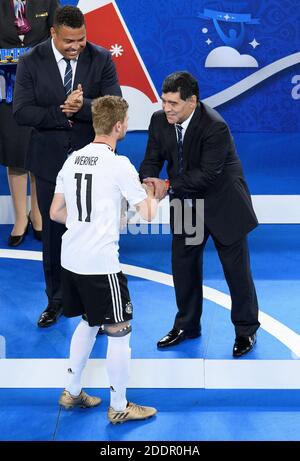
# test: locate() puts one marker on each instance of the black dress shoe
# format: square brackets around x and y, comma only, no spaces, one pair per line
[16,240]
[177,336]
[36,233]
[243,344]
[49,316]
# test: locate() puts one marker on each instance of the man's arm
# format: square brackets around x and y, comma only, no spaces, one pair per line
[25,107]
[109,81]
[109,85]
[153,161]
[58,209]
[148,207]
[139,196]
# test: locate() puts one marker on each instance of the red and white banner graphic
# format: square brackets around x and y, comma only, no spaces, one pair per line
[106,27]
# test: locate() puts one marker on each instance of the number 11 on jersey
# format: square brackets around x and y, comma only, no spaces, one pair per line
[88,178]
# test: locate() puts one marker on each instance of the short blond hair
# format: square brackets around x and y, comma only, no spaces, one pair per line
[106,112]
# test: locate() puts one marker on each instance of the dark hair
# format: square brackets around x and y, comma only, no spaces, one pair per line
[69,16]
[181,81]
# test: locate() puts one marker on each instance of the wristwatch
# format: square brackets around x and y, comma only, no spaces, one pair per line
[169,187]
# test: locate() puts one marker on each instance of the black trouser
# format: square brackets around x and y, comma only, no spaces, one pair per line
[52,234]
[187,262]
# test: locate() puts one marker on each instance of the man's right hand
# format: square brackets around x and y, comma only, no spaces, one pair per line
[73,103]
[160,187]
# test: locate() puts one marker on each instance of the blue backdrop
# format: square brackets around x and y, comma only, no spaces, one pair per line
[180,34]
[265,120]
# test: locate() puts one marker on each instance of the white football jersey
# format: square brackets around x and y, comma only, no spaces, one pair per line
[94,180]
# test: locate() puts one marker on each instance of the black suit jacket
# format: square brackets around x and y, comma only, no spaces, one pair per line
[39,92]
[39,13]
[212,171]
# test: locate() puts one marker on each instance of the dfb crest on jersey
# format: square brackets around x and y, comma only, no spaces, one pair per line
[129,308]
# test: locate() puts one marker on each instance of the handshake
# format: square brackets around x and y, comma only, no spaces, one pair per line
[157,187]
[73,103]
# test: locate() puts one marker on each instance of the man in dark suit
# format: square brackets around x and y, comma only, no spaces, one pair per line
[202,164]
[61,117]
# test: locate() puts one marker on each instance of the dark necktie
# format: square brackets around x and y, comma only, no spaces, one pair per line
[68,77]
[179,129]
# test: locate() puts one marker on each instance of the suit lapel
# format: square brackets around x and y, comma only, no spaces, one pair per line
[188,137]
[172,144]
[52,70]
[82,69]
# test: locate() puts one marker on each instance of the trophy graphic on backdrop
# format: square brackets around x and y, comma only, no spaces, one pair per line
[228,56]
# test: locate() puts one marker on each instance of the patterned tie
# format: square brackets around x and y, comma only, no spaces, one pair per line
[179,129]
[68,77]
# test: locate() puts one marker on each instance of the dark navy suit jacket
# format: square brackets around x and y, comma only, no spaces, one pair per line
[212,171]
[38,94]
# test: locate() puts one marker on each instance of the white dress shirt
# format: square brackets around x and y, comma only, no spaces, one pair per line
[184,125]
[62,63]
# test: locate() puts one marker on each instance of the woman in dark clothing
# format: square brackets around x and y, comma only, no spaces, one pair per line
[23,24]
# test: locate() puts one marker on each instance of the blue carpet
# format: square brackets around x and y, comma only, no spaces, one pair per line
[192,415]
